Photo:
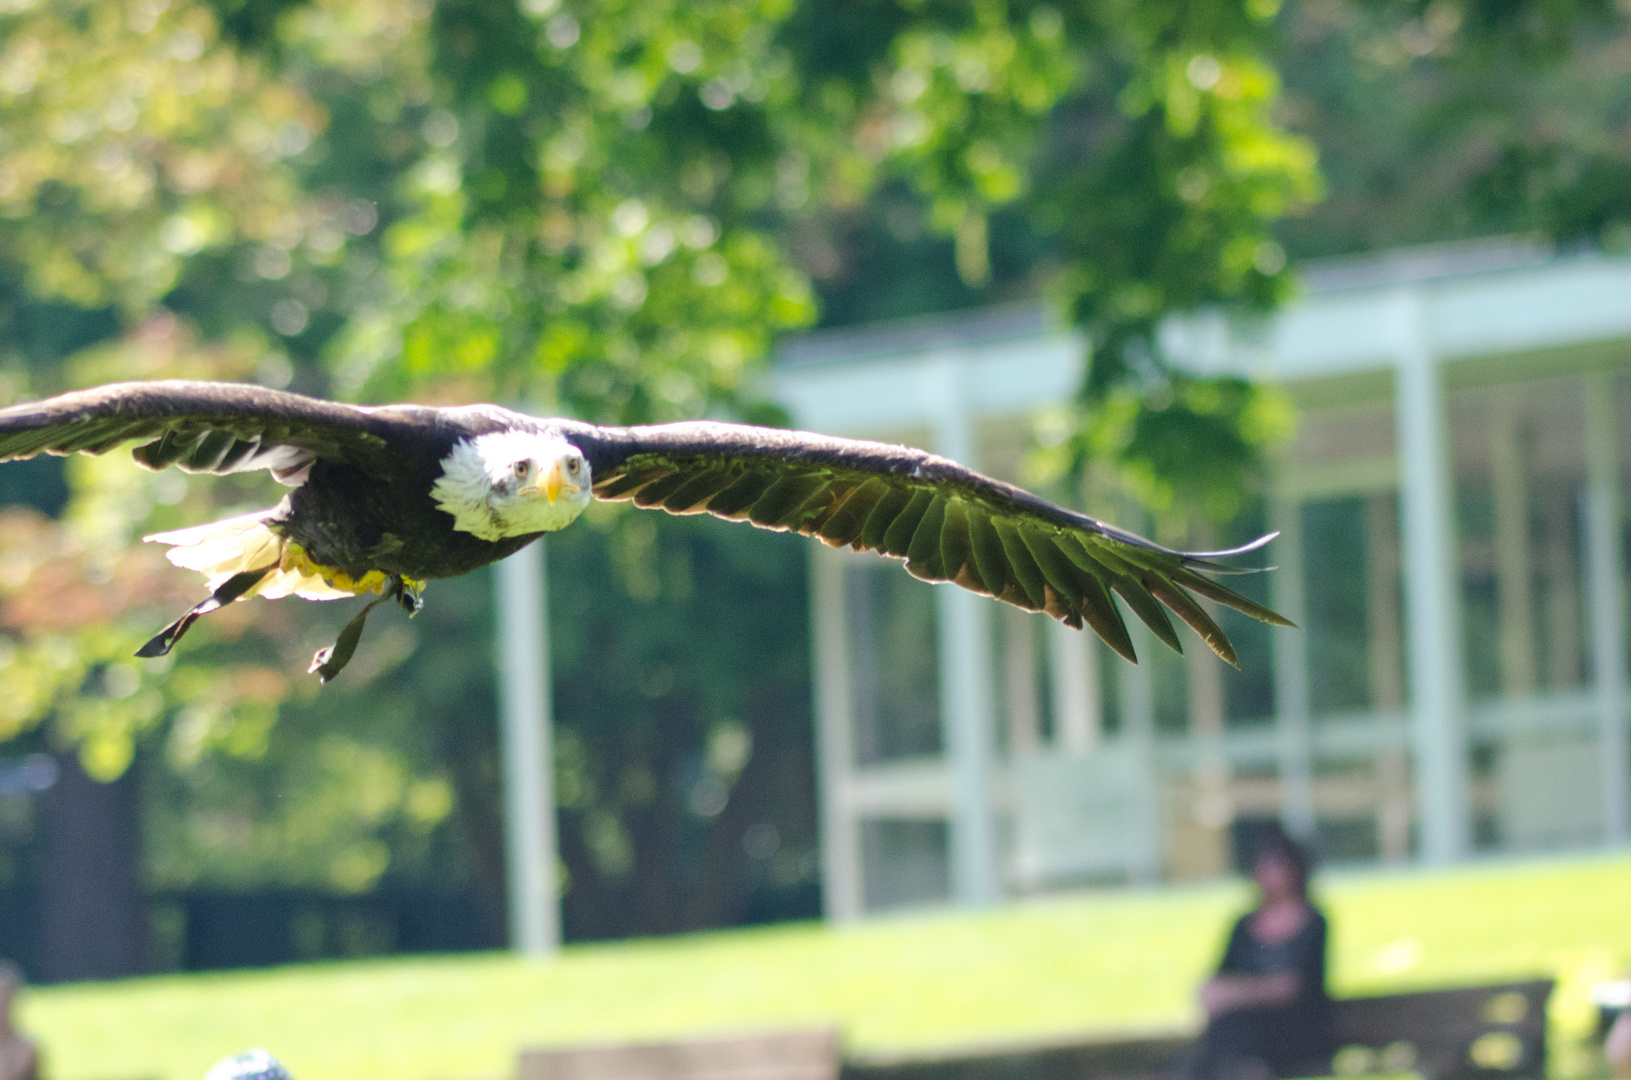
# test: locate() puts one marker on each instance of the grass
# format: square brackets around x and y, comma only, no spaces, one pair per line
[1100,961]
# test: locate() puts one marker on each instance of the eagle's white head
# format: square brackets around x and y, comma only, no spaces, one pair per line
[511,483]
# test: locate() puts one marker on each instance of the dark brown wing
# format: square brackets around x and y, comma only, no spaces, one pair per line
[204,427]
[949,523]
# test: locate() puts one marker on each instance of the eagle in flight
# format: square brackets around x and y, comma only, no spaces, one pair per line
[386,498]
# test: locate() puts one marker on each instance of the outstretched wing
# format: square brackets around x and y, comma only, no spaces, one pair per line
[200,427]
[949,523]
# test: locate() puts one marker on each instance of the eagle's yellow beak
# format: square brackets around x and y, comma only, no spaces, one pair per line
[555,482]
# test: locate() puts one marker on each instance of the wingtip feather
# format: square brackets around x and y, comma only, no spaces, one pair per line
[1204,560]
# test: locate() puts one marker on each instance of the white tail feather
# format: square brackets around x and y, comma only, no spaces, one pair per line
[224,548]
[294,582]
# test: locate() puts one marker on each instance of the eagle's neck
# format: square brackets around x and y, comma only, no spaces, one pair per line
[472,513]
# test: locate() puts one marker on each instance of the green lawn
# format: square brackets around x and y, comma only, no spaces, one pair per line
[1098,961]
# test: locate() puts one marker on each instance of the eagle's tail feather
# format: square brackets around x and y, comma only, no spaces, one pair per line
[224,549]
[287,580]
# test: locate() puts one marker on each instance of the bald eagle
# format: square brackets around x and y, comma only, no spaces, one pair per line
[387,498]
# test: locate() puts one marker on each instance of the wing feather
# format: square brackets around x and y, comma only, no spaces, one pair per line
[1049,562]
[956,550]
[876,530]
[947,522]
[1228,598]
[210,427]
[986,547]
[733,503]
[844,525]
[1195,615]
[692,496]
[653,494]
[1105,618]
[1023,564]
[923,553]
[825,505]
[625,486]
[1147,609]
[776,506]
[897,538]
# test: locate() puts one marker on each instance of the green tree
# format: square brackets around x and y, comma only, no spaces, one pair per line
[1453,120]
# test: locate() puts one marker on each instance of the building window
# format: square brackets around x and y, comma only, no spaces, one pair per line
[894,663]
[1520,480]
[1334,538]
[904,863]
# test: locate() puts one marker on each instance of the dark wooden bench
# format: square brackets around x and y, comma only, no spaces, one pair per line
[774,1055]
[1472,1031]
[1120,1058]
[1466,1033]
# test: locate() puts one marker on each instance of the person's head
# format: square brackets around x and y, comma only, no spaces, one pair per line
[1280,866]
[250,1065]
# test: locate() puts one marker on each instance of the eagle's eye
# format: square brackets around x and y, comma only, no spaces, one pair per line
[574,464]
[520,469]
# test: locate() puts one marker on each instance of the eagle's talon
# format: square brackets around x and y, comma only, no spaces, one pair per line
[320,658]
[410,596]
[158,645]
[331,661]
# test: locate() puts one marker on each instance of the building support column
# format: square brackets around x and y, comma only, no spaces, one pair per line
[967,705]
[1432,587]
[966,709]
[1605,590]
[1136,688]
[1075,667]
[1514,565]
[1213,809]
[841,896]
[1018,696]
[1287,591]
[1383,631]
[529,760]
[1077,713]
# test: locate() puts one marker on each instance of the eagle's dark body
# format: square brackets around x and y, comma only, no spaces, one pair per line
[359,520]
[366,511]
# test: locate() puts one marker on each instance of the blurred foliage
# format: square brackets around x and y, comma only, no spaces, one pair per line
[685,773]
[612,209]
[1441,121]
[135,138]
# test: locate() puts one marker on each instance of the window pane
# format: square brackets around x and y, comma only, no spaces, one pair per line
[893,663]
[904,862]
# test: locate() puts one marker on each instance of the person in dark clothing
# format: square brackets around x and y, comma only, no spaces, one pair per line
[1268,1012]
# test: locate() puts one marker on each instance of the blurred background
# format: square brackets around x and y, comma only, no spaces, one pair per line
[1354,270]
